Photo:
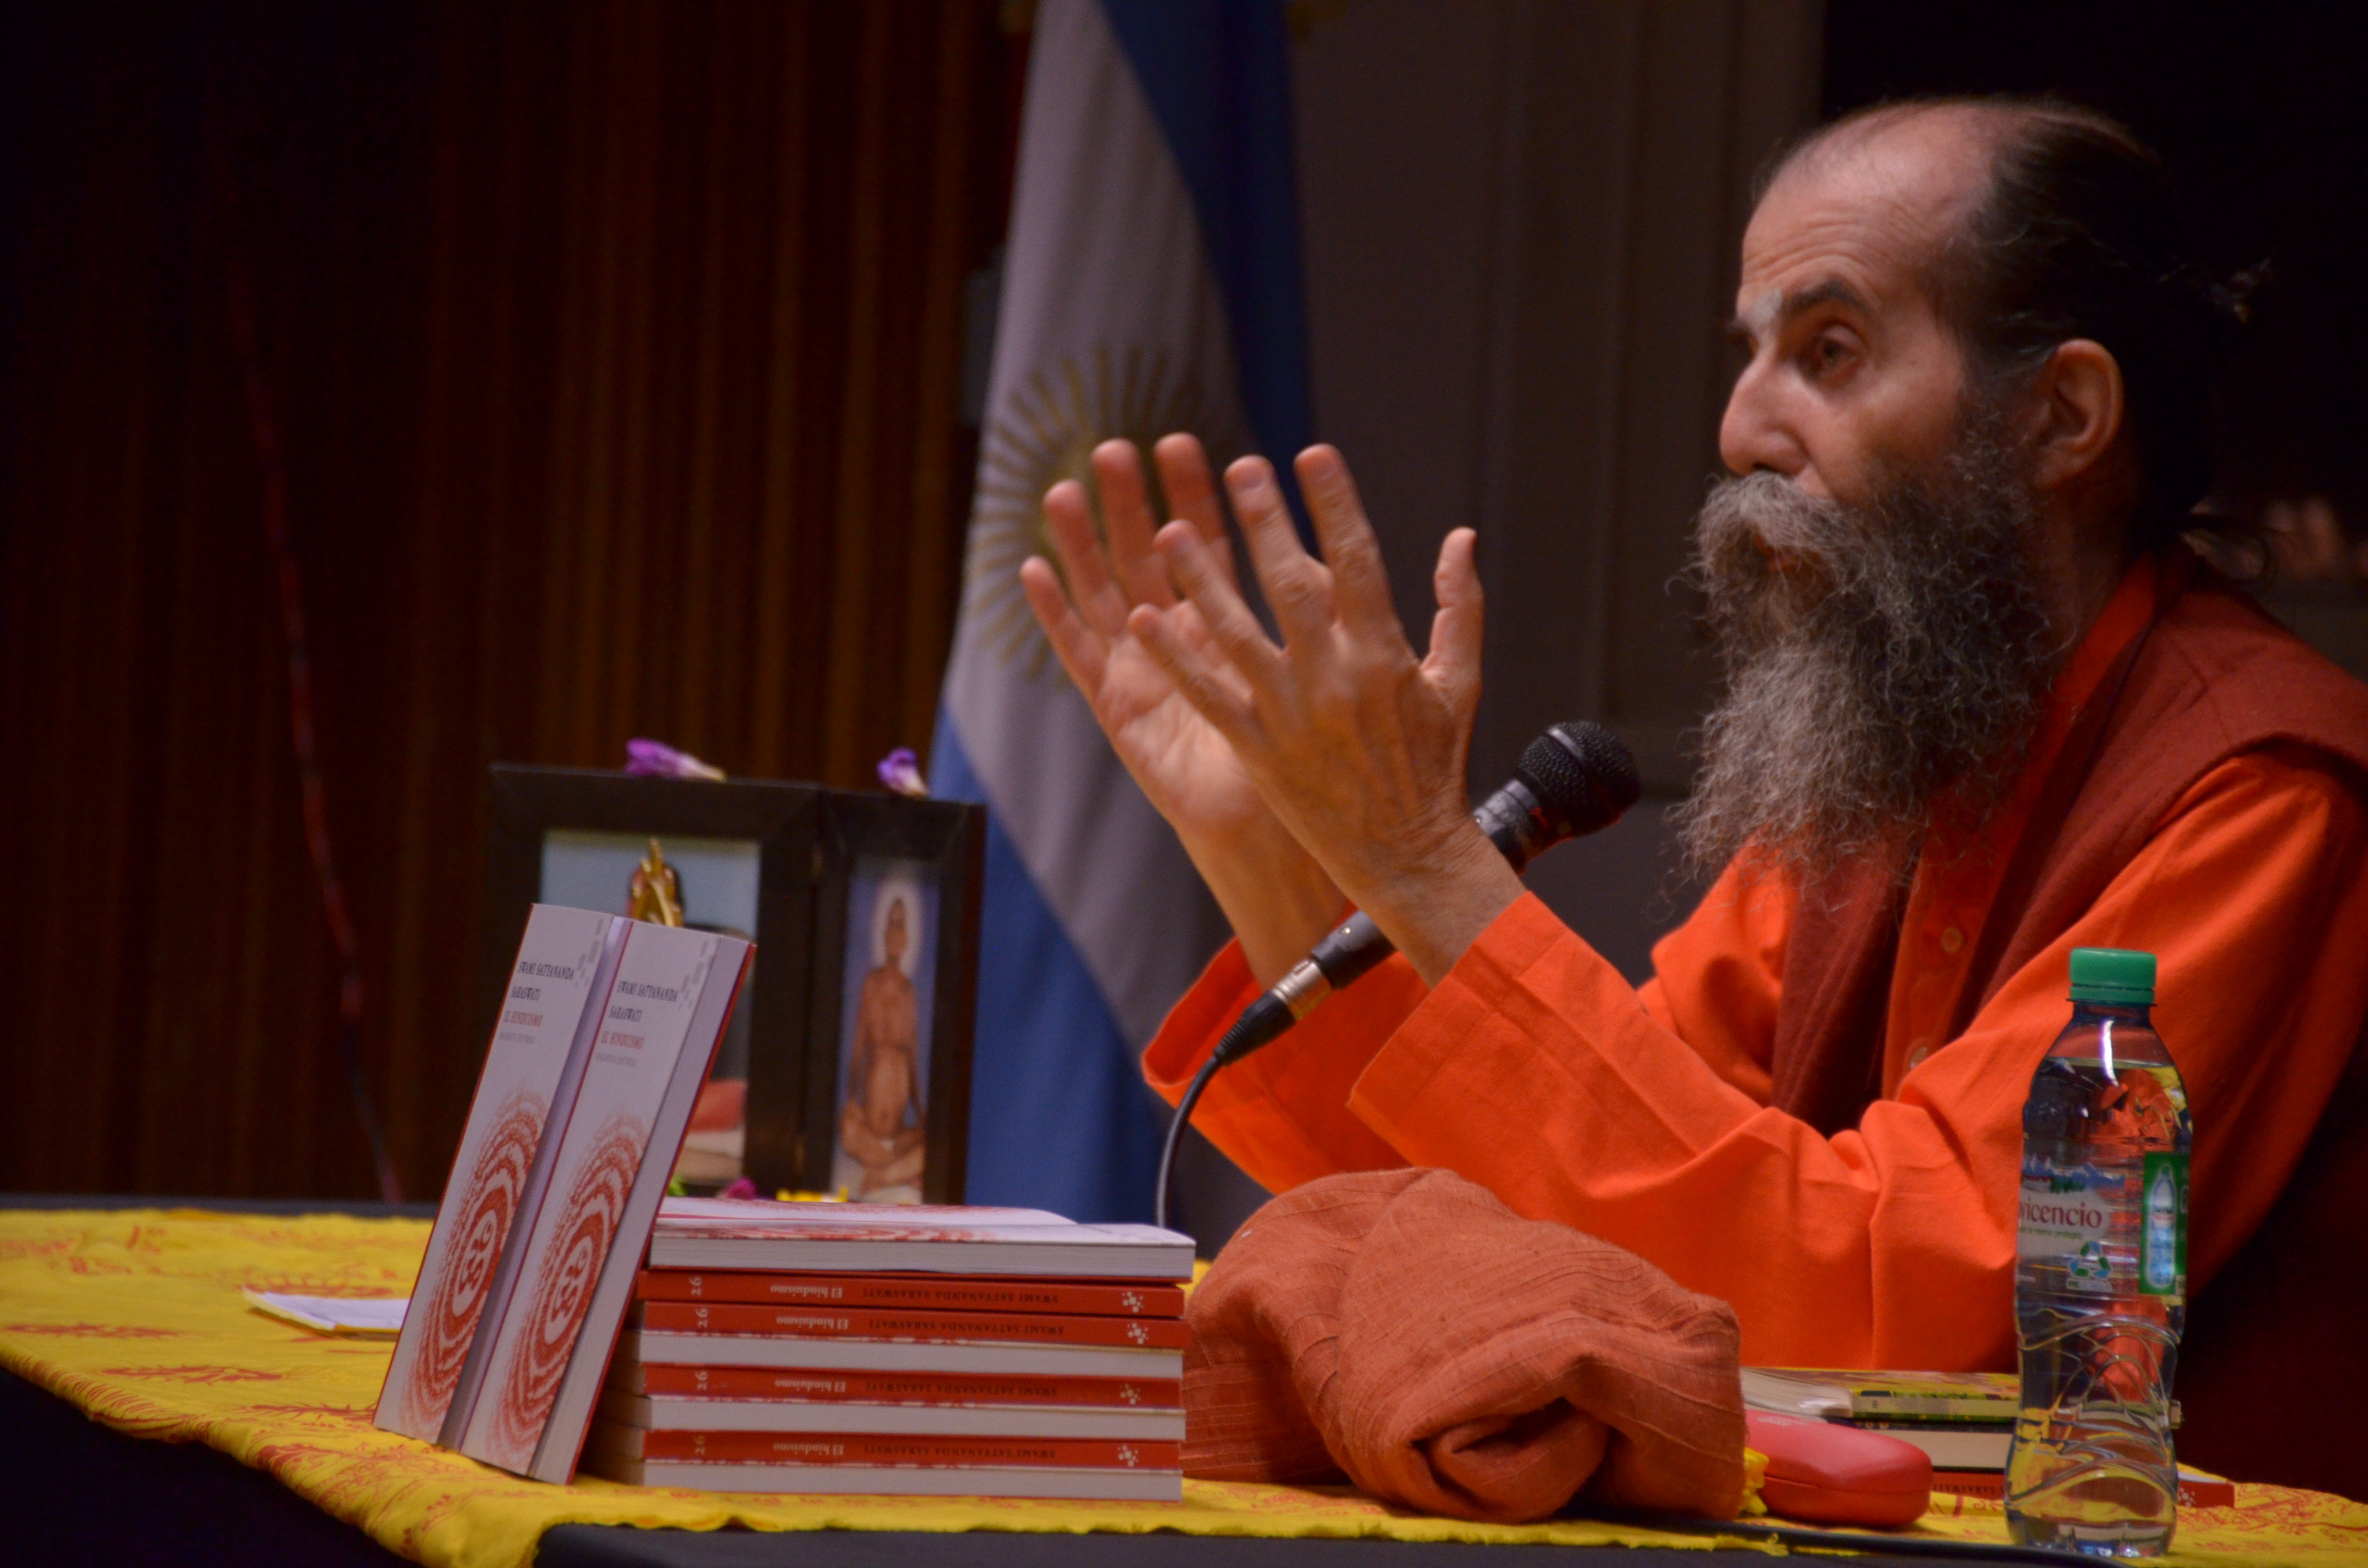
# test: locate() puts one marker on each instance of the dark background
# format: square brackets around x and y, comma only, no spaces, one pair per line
[617,353]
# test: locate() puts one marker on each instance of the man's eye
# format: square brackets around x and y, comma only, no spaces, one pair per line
[1828,354]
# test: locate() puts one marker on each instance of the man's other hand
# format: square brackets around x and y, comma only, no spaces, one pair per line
[1355,745]
[1277,896]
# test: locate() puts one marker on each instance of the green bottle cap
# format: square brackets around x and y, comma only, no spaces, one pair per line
[2114,975]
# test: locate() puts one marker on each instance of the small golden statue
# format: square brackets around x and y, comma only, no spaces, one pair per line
[654,894]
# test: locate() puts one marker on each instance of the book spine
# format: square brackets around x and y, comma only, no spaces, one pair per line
[897,1388]
[951,1293]
[899,1481]
[765,1448]
[1929,1407]
[698,1317]
[709,1251]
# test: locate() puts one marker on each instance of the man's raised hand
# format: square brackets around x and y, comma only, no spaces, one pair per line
[1278,898]
[1357,745]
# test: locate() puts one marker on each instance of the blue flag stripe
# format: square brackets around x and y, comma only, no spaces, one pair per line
[1217,73]
[1046,1045]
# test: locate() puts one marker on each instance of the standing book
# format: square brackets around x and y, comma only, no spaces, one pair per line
[547,1346]
[558,987]
[606,1029]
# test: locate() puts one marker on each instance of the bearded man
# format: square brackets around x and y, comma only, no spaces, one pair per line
[1983,706]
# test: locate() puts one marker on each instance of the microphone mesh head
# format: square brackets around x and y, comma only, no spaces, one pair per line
[1582,775]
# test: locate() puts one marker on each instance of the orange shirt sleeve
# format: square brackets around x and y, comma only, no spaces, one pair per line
[1283,1115]
[1535,1070]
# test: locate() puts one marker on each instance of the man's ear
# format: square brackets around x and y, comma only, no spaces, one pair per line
[2082,410]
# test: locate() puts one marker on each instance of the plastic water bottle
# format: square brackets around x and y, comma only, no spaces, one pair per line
[2100,1274]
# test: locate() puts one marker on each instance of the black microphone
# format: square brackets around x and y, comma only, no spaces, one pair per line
[1574,779]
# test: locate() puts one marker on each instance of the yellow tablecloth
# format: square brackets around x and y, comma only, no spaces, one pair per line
[135,1315]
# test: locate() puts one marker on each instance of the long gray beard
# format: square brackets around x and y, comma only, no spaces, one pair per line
[1893,669]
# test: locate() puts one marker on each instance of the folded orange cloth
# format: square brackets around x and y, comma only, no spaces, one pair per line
[1407,1329]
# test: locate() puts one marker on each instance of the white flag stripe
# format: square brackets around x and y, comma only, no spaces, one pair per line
[1111,318]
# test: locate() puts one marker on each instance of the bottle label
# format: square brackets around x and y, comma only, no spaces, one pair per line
[2068,1217]
[2162,1234]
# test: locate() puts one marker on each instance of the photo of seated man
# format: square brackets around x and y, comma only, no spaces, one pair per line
[883,1145]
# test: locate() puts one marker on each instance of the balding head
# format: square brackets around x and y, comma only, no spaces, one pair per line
[2044,222]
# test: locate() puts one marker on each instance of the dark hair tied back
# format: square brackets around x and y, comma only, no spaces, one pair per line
[2080,236]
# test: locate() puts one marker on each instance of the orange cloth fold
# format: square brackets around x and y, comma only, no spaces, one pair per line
[1407,1329]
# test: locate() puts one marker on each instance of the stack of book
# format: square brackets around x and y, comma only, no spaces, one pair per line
[1964,1421]
[892,1348]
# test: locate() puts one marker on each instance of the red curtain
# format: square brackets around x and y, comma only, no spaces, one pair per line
[616,354]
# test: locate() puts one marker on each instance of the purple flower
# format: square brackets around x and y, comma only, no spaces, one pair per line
[655,759]
[901,771]
[743,1187]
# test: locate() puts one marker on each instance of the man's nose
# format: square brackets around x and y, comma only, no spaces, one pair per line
[1754,435]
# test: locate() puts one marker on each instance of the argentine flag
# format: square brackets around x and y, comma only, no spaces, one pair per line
[1151,284]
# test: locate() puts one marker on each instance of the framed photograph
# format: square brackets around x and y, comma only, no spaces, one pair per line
[740,857]
[896,973]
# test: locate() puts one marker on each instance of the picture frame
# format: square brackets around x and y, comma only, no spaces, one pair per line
[891,1013]
[748,863]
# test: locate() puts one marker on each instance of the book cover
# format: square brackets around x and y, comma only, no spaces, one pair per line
[911,1388]
[944,1241]
[881,1220]
[873,1448]
[925,1292]
[1827,1394]
[662,1413]
[883,1322]
[577,1265]
[1113,1485]
[539,1041]
[648,1345]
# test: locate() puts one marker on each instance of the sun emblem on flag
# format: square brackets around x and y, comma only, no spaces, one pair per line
[1042,431]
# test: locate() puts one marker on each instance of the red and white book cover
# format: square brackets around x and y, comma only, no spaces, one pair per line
[857,1448]
[550,1347]
[918,1292]
[890,1323]
[658,1413]
[746,1383]
[1104,1482]
[975,1357]
[552,1002]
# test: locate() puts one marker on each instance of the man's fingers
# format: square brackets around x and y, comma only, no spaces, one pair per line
[1126,514]
[1453,661]
[1203,682]
[1100,600]
[1081,651]
[1296,585]
[1360,584]
[1192,492]
[1230,624]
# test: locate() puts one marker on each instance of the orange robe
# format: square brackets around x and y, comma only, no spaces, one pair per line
[1642,1116]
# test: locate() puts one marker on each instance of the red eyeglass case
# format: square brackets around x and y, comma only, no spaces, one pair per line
[1823,1474]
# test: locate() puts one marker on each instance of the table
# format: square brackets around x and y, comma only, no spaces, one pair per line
[74,1489]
